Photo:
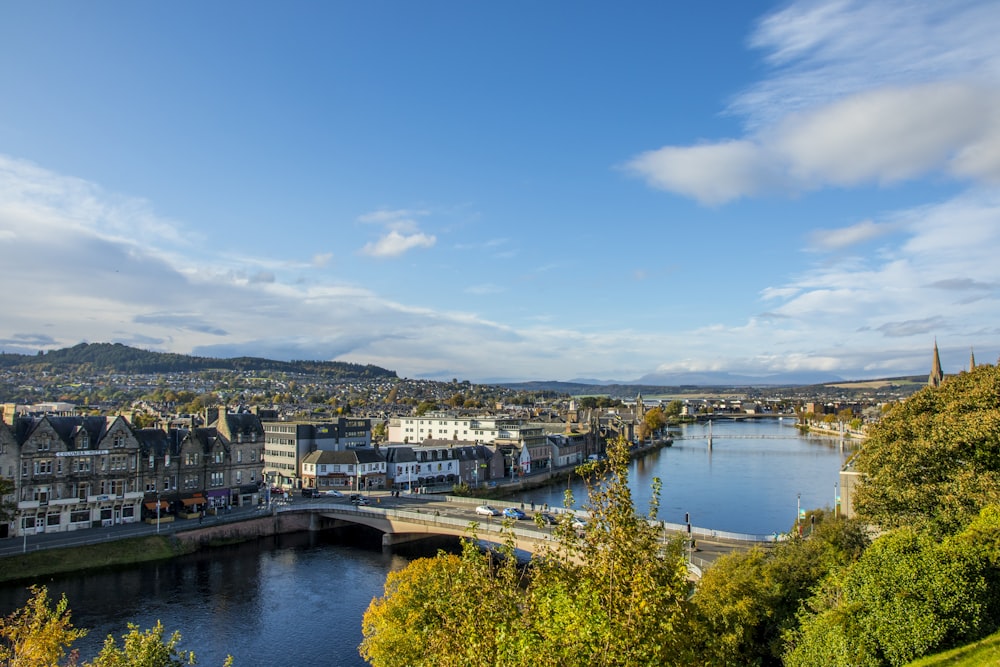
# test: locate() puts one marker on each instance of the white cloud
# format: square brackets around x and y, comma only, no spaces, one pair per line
[837,239]
[403,232]
[711,173]
[394,244]
[870,92]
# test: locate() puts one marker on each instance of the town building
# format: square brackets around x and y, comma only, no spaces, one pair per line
[286,444]
[77,472]
[344,470]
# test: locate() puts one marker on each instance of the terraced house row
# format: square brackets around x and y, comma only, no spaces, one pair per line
[76,472]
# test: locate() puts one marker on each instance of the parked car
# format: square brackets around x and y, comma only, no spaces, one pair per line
[514,513]
[487,510]
[579,524]
[310,493]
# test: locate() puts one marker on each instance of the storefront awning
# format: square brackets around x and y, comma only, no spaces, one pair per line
[152,506]
[193,501]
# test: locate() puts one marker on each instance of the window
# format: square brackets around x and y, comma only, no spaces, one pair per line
[239,456]
[45,444]
[43,467]
[253,455]
[52,520]
[83,442]
[119,440]
[239,476]
[220,457]
[191,459]
[216,479]
[79,516]
[119,463]
[81,464]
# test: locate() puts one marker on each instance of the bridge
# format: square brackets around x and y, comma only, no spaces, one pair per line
[410,518]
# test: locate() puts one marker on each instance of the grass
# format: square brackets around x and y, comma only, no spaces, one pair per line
[92,556]
[986,651]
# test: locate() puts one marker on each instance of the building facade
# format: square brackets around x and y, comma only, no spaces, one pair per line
[286,444]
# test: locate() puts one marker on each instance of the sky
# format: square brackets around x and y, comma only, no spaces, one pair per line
[506,191]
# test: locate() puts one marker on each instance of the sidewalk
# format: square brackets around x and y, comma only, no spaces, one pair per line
[19,545]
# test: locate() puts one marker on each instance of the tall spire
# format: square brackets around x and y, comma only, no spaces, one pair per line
[936,376]
[972,359]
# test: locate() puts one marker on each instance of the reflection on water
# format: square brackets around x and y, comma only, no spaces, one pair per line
[748,481]
[294,599]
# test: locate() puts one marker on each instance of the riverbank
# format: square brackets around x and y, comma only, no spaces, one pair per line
[128,550]
[34,566]
[219,530]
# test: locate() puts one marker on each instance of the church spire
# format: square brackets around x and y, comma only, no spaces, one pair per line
[972,359]
[936,376]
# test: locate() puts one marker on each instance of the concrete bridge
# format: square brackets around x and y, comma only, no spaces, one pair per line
[411,518]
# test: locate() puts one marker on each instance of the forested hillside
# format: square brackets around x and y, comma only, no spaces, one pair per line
[118,358]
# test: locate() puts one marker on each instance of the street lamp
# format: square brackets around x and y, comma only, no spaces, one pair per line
[157,511]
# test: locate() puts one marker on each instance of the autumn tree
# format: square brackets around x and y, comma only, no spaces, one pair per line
[38,635]
[612,595]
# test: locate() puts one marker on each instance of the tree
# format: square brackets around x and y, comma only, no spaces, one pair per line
[614,595]
[934,459]
[747,601]
[673,409]
[654,420]
[145,649]
[906,596]
[424,407]
[38,635]
[449,610]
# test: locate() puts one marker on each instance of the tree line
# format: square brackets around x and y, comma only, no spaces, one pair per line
[117,358]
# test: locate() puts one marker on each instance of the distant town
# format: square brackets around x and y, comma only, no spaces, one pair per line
[100,435]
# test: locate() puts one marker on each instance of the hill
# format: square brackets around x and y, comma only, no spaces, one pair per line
[118,358]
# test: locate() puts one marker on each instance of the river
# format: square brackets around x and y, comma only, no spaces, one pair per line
[298,599]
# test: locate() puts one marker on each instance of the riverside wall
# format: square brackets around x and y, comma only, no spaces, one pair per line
[240,531]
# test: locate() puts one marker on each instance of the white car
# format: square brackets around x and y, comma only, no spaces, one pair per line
[331,493]
[487,510]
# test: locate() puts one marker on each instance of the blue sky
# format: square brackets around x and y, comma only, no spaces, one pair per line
[506,191]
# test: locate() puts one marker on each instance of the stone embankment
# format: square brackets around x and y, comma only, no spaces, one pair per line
[240,531]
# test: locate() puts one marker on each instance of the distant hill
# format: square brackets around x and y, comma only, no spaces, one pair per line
[118,358]
[898,385]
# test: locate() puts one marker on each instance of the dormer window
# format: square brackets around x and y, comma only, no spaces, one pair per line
[83,441]
[119,440]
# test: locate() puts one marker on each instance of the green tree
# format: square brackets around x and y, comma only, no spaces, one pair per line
[934,459]
[145,649]
[673,409]
[747,601]
[906,596]
[424,407]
